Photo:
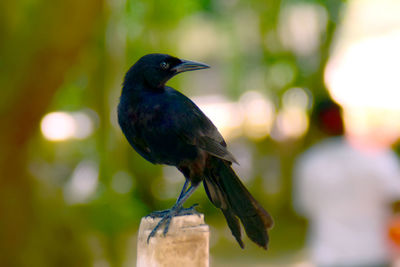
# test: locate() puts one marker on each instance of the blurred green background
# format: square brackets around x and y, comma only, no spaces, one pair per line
[72,190]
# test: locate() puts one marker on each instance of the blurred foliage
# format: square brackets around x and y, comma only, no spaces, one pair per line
[71,55]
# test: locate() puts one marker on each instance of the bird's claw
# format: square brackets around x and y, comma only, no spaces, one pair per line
[166,217]
[167,220]
[190,211]
[158,214]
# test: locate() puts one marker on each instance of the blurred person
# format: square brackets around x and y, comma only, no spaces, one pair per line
[345,185]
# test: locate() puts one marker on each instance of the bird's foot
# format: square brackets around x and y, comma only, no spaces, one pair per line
[189,211]
[167,215]
[180,211]
[158,213]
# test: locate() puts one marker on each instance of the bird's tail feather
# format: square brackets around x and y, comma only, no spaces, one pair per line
[227,192]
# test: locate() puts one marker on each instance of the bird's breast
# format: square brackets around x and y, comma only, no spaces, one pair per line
[152,127]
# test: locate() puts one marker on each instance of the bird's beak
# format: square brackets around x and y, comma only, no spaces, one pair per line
[188,65]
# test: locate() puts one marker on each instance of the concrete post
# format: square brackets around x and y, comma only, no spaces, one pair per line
[186,244]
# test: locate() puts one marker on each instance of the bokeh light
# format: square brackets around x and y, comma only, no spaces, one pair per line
[259,114]
[122,182]
[300,27]
[366,73]
[225,114]
[60,126]
[252,115]
[290,123]
[362,74]
[83,182]
[297,97]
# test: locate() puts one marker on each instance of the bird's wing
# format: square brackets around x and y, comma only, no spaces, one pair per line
[214,148]
[195,128]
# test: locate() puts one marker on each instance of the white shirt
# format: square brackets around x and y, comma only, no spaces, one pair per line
[346,194]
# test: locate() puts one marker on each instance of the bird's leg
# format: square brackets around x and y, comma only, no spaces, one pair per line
[183,191]
[176,210]
[184,195]
[161,213]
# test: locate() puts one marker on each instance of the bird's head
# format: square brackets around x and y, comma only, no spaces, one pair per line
[157,69]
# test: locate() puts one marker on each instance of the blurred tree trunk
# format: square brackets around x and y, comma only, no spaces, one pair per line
[60,31]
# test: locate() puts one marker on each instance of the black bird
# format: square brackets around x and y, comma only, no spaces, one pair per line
[166,127]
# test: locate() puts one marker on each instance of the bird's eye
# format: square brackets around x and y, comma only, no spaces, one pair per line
[164,65]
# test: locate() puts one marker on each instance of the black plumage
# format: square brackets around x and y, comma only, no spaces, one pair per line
[166,127]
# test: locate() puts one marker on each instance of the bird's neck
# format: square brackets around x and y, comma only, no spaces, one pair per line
[137,80]
[135,91]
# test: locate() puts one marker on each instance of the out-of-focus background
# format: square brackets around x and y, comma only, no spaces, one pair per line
[72,190]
